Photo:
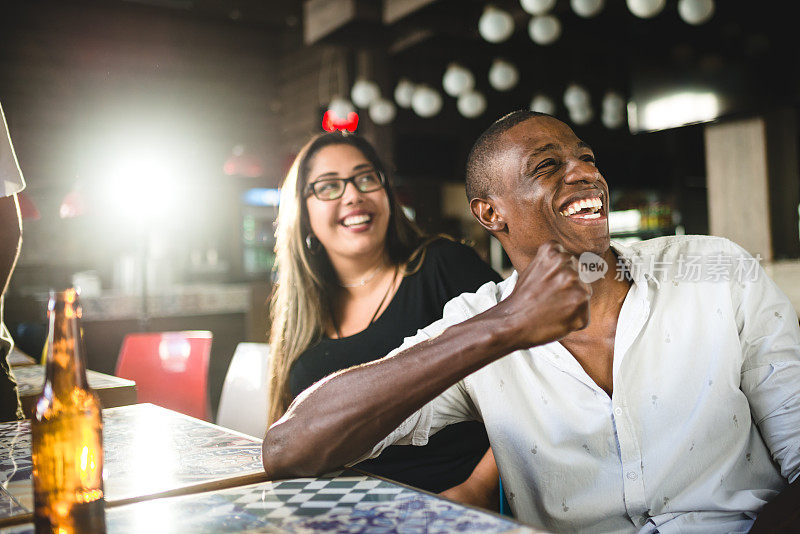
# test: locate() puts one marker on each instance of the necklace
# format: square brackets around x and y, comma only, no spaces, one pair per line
[374,315]
[365,281]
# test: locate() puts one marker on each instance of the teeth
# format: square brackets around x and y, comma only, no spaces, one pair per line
[578,205]
[353,220]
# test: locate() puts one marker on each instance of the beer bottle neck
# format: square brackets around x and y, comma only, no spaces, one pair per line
[65,368]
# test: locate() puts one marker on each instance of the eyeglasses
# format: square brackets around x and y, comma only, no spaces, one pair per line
[333,188]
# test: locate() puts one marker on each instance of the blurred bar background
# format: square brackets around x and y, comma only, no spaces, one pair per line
[153,135]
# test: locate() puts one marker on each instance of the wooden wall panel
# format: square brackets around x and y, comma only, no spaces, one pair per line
[736,161]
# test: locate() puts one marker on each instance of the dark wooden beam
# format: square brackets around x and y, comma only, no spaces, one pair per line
[323,18]
[394,10]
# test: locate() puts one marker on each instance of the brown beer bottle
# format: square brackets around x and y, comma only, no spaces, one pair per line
[67,430]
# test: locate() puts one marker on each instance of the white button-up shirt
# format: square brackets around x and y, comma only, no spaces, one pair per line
[702,428]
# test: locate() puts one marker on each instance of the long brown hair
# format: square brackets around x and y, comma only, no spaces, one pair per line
[306,282]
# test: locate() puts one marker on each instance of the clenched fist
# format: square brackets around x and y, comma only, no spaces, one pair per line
[549,300]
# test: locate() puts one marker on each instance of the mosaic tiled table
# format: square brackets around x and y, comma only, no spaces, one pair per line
[347,502]
[149,452]
[113,391]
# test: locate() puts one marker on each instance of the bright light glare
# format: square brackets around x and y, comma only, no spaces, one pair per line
[158,515]
[679,109]
[141,186]
[625,221]
[156,459]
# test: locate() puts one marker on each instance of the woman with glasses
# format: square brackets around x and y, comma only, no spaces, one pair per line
[355,277]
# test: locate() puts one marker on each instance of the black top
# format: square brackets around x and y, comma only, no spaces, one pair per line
[451,454]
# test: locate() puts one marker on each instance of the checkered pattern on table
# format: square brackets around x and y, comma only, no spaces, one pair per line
[312,496]
[342,503]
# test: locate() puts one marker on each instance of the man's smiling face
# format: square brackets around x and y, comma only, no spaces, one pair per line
[548,188]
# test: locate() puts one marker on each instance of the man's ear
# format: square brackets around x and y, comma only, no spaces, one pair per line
[485,210]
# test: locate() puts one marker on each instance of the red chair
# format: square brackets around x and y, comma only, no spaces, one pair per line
[170,369]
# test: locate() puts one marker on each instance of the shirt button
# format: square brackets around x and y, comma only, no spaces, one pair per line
[632,476]
[617,411]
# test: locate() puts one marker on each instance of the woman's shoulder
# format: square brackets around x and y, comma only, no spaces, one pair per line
[448,251]
[457,264]
[445,248]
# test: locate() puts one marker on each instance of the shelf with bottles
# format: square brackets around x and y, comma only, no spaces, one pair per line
[257,260]
[258,226]
[643,215]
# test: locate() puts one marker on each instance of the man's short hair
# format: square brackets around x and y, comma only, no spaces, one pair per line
[479,162]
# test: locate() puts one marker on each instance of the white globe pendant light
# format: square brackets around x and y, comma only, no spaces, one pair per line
[613,115]
[613,102]
[543,104]
[340,107]
[612,121]
[544,30]
[696,12]
[426,102]
[576,96]
[457,80]
[382,111]
[537,7]
[495,25]
[587,8]
[471,104]
[645,9]
[404,92]
[503,76]
[364,92]
[581,115]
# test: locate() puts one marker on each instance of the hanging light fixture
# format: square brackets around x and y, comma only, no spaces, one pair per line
[471,104]
[537,7]
[403,93]
[544,30]
[426,102]
[543,104]
[457,80]
[495,25]
[696,12]
[578,103]
[576,96]
[382,111]
[581,115]
[73,204]
[645,9]
[364,92]
[587,8]
[503,76]
[613,115]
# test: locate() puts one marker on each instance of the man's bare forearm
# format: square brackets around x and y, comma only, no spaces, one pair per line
[342,417]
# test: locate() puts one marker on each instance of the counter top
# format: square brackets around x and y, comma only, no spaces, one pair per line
[176,301]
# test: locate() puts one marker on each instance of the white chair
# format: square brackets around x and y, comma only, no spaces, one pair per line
[244,402]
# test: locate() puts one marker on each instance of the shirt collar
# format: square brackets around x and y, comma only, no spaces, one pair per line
[638,266]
